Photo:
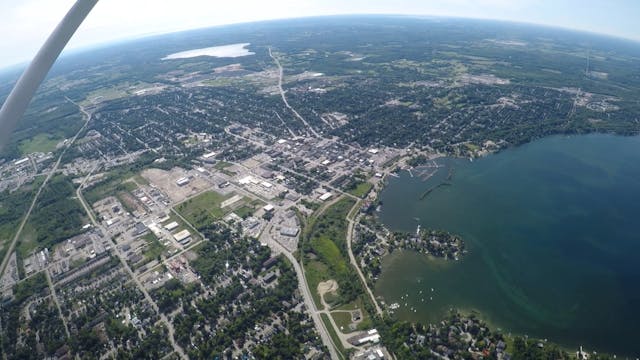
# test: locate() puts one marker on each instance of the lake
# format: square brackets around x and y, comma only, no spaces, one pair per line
[553,233]
[223,51]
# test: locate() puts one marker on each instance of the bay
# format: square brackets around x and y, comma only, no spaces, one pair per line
[552,229]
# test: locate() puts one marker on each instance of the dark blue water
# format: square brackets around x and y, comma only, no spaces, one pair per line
[553,230]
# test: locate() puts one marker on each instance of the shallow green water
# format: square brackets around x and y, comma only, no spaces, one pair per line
[553,232]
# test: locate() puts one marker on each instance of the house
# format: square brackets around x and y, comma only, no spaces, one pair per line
[269,277]
[270,262]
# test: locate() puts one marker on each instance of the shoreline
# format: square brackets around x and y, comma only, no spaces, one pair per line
[465,311]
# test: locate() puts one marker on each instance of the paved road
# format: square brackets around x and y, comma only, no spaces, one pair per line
[265,238]
[355,263]
[12,246]
[284,98]
[55,300]
[260,145]
[123,261]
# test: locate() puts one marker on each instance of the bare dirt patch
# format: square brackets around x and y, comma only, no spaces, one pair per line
[227,68]
[484,79]
[166,181]
[324,287]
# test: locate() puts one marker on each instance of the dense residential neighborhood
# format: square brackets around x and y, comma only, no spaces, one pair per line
[228,207]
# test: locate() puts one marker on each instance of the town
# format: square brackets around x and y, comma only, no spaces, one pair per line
[229,208]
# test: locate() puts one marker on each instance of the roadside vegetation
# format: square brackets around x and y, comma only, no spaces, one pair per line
[13,207]
[117,180]
[334,336]
[360,189]
[56,216]
[325,257]
[325,253]
[154,249]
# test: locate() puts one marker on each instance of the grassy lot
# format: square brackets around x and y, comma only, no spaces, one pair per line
[325,257]
[13,206]
[329,253]
[56,216]
[334,336]
[472,147]
[313,205]
[391,161]
[113,185]
[332,298]
[361,190]
[244,211]
[359,304]
[154,247]
[204,208]
[39,143]
[332,224]
[28,240]
[316,272]
[325,253]
[128,201]
[140,180]
[249,207]
[181,226]
[222,165]
[342,320]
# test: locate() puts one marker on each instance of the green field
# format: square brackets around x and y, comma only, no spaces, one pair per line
[334,336]
[39,143]
[326,257]
[13,206]
[57,216]
[329,253]
[342,320]
[325,252]
[247,210]
[27,242]
[222,167]
[111,186]
[205,208]
[182,225]
[316,272]
[361,190]
[154,248]
[359,304]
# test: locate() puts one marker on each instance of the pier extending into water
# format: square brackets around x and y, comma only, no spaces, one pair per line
[446,182]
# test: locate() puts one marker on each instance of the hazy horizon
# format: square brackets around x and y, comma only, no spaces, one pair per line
[18,66]
[31,21]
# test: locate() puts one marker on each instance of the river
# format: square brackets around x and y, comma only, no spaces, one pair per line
[553,233]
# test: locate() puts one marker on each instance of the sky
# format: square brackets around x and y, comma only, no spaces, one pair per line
[27,23]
